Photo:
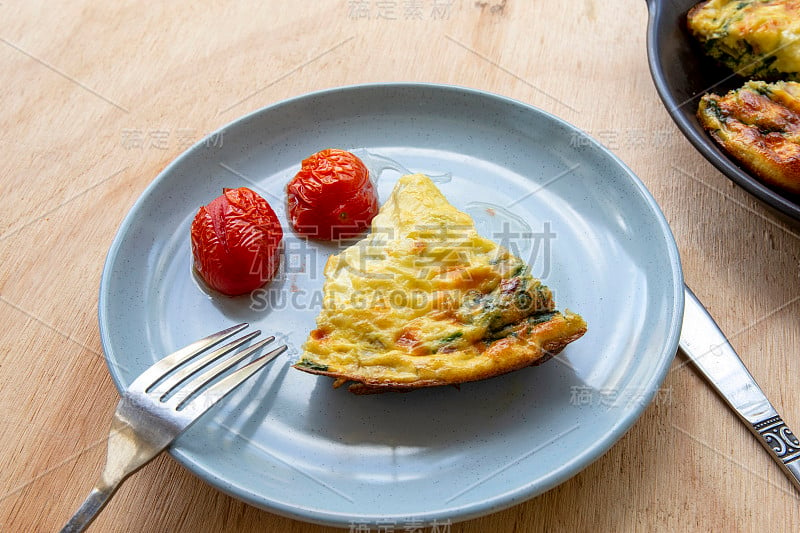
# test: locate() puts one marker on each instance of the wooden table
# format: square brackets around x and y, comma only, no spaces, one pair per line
[99,98]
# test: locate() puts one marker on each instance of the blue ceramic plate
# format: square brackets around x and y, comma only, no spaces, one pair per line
[287,441]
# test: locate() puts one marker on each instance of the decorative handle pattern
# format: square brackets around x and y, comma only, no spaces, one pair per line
[780,438]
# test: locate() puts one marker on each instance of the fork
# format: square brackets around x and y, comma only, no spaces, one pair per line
[159,405]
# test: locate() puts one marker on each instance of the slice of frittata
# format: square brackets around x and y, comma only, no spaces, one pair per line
[759,124]
[425,301]
[756,38]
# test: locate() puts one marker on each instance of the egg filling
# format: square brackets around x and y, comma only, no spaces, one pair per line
[424,300]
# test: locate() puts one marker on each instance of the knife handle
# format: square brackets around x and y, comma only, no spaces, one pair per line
[712,355]
[782,444]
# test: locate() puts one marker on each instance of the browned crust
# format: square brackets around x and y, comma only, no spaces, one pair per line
[555,347]
[759,125]
[528,346]
[693,12]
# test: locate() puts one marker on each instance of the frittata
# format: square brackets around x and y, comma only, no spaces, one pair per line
[756,38]
[759,124]
[424,300]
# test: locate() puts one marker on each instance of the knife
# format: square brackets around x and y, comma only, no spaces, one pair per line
[709,350]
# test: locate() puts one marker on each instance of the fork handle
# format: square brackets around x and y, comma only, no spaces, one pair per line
[90,508]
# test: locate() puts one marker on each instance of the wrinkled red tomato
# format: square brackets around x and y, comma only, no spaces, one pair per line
[235,242]
[332,196]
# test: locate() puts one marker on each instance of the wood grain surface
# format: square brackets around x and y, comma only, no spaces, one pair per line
[99,96]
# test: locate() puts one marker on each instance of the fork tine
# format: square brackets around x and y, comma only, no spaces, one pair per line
[143,425]
[225,386]
[152,374]
[177,400]
[170,383]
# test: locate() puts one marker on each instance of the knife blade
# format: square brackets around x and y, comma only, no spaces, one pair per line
[712,355]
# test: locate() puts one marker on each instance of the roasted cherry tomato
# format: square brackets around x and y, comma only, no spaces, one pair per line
[332,196]
[235,242]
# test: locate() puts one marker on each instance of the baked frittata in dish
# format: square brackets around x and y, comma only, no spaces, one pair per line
[424,300]
[755,38]
[759,124]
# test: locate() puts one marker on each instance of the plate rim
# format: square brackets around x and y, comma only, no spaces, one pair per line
[456,513]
